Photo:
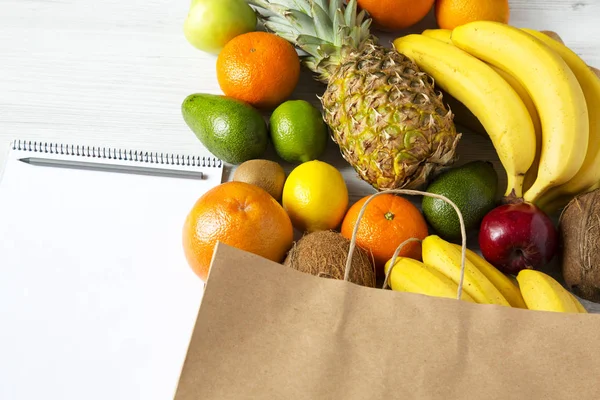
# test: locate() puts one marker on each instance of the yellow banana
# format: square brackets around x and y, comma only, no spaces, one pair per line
[589,173]
[445,35]
[444,257]
[551,84]
[543,293]
[489,97]
[578,304]
[462,115]
[531,174]
[439,34]
[503,283]
[413,276]
[593,187]
[554,36]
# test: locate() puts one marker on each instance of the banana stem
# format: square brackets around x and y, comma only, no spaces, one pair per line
[514,186]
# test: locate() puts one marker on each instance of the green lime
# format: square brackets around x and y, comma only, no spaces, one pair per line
[298,131]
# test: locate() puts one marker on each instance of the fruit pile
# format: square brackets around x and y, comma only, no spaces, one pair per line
[387,229]
[393,113]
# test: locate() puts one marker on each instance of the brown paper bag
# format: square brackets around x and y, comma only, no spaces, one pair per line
[265,331]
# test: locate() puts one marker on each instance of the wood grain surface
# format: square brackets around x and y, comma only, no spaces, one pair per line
[114,73]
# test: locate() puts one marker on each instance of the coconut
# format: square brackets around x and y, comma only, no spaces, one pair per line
[324,254]
[579,226]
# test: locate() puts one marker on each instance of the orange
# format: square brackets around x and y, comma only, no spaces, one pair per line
[393,15]
[238,214]
[259,68]
[387,222]
[452,13]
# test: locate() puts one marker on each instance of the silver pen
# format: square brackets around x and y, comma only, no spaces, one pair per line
[123,168]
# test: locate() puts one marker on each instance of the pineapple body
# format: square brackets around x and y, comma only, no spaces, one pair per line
[388,121]
[383,112]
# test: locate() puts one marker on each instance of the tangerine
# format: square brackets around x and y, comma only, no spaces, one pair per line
[452,13]
[388,221]
[259,68]
[241,215]
[394,15]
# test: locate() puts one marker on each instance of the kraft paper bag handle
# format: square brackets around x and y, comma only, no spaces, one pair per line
[463,234]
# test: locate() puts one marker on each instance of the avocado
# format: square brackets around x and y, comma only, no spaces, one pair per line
[230,129]
[472,187]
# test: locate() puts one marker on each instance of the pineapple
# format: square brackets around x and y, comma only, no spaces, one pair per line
[384,114]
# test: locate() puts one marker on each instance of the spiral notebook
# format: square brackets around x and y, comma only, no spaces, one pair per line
[96,298]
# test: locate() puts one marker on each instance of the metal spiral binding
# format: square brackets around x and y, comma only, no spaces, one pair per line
[116,154]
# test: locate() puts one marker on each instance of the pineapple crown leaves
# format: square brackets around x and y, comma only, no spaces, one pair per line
[325,29]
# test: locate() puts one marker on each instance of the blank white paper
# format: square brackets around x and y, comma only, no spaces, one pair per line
[97,300]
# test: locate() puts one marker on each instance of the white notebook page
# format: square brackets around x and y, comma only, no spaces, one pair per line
[96,298]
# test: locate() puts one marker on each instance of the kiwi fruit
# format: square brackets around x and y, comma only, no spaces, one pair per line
[265,174]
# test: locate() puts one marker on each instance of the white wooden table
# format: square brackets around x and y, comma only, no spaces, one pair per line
[114,73]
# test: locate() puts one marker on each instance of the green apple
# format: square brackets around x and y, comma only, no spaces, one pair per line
[210,24]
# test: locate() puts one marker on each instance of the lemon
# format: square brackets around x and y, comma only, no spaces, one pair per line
[298,131]
[315,196]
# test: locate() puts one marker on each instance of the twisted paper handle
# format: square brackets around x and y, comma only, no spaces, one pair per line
[463,234]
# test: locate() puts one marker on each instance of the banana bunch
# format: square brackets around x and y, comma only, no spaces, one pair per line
[439,273]
[536,99]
